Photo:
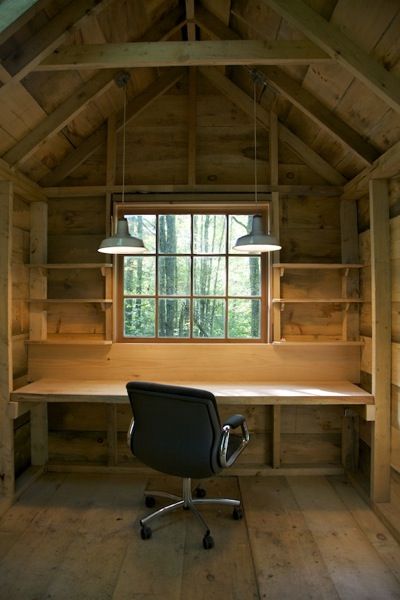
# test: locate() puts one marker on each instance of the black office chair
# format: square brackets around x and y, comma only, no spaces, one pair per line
[176,430]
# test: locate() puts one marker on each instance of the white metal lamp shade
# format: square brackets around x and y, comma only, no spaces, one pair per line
[257,240]
[122,242]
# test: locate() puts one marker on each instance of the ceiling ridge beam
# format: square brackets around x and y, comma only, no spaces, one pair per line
[48,38]
[297,95]
[179,54]
[339,47]
[87,92]
[243,100]
[135,107]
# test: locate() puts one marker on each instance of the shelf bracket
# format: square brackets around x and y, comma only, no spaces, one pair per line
[282,306]
[281,271]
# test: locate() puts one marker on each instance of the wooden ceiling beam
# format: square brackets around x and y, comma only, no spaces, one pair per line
[304,191]
[87,92]
[48,38]
[28,189]
[339,47]
[385,167]
[296,94]
[135,107]
[243,100]
[179,54]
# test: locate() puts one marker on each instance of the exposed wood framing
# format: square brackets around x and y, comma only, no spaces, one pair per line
[7,482]
[135,107]
[38,322]
[64,113]
[178,54]
[274,257]
[296,94]
[48,38]
[324,191]
[241,99]
[28,189]
[350,278]
[86,93]
[381,338]
[339,47]
[192,130]
[385,167]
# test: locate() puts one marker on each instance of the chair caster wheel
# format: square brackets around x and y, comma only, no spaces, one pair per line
[208,542]
[150,501]
[237,513]
[200,492]
[145,533]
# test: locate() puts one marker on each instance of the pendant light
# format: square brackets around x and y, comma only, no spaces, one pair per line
[122,242]
[257,240]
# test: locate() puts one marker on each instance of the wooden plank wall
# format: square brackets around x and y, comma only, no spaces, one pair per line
[81,434]
[365,321]
[20,323]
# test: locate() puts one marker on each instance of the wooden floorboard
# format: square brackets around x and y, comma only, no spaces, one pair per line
[77,536]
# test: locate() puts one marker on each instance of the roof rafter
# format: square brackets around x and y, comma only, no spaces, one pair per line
[48,38]
[339,47]
[179,54]
[87,92]
[297,95]
[135,107]
[243,100]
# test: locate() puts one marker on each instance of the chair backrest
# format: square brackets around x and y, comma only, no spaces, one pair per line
[176,429]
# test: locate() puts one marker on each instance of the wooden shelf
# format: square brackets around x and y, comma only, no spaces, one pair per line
[71,342]
[316,343]
[317,266]
[72,300]
[70,266]
[316,300]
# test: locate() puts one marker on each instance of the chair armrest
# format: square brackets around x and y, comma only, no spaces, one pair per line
[232,422]
[129,434]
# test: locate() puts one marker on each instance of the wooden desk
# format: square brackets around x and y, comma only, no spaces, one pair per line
[35,397]
[269,393]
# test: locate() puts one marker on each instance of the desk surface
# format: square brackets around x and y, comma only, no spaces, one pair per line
[303,392]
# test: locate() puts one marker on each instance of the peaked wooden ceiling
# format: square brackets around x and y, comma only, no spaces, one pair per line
[331,69]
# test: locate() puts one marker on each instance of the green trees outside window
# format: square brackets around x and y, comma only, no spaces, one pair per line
[191,284]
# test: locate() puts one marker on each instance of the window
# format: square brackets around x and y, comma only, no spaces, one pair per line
[191,285]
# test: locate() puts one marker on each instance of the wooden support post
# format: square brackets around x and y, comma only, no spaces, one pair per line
[110,180]
[350,439]
[7,477]
[112,437]
[381,338]
[276,436]
[38,277]
[350,278]
[274,275]
[38,323]
[192,116]
[275,289]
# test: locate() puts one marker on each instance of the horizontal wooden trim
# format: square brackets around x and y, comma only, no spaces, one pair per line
[81,191]
[249,470]
[169,54]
